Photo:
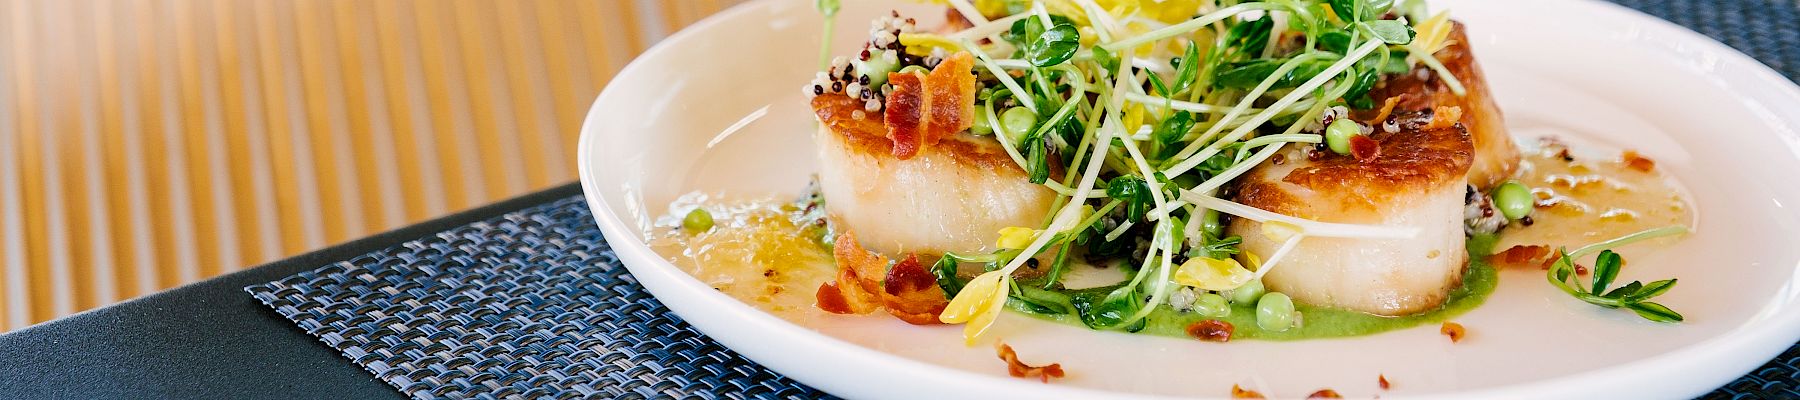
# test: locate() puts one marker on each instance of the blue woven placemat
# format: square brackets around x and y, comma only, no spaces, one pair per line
[533,304]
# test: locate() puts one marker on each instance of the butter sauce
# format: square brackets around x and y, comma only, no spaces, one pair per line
[765,252]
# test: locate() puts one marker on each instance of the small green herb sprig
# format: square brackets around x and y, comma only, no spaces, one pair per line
[1634,296]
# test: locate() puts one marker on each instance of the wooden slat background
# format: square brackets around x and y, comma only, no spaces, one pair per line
[146,144]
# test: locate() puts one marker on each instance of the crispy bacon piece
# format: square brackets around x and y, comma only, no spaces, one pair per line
[1325,394]
[1018,369]
[852,293]
[1522,256]
[911,293]
[1637,162]
[1238,392]
[1212,330]
[923,109]
[1387,109]
[1444,117]
[1364,148]
[1454,330]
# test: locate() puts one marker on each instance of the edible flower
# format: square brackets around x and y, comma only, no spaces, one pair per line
[978,304]
[1433,33]
[1016,237]
[1213,274]
[1279,231]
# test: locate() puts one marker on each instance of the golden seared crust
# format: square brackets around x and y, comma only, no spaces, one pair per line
[868,135]
[1341,188]
[1496,156]
[1269,196]
[1411,161]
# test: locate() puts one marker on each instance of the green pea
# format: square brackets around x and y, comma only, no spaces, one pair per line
[1338,134]
[1248,293]
[697,221]
[1017,122]
[876,67]
[982,125]
[1275,312]
[1211,223]
[914,69]
[1212,305]
[1513,199]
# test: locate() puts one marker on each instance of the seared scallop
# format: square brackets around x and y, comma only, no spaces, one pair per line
[954,195]
[1496,156]
[1416,181]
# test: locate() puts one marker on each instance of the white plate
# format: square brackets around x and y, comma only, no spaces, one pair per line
[1725,125]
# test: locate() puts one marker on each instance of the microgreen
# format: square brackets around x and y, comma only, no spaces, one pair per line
[1390,31]
[1633,296]
[1188,69]
[1236,89]
[828,8]
[1054,46]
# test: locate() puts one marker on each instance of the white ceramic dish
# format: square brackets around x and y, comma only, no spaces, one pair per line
[675,121]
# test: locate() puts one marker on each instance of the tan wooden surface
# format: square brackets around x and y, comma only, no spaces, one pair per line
[146,144]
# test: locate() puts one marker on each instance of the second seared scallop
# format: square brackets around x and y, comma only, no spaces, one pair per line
[1416,179]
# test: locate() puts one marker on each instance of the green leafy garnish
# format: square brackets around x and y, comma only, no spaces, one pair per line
[1389,31]
[1187,69]
[1054,46]
[1633,296]
[829,8]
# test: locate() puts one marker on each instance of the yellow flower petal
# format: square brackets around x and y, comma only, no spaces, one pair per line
[1014,237]
[973,299]
[1213,274]
[1433,33]
[1250,260]
[985,319]
[1279,231]
[920,44]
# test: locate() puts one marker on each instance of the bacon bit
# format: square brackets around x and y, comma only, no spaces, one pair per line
[1444,117]
[1382,379]
[861,263]
[851,293]
[1387,109]
[1580,270]
[1325,394]
[1521,256]
[1637,162]
[924,109]
[1364,148]
[832,300]
[1241,393]
[911,293]
[1018,369]
[1454,330]
[1212,330]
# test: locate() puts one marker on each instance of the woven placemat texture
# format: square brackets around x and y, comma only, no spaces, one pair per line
[533,304]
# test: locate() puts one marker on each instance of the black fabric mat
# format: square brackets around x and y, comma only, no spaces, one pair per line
[533,304]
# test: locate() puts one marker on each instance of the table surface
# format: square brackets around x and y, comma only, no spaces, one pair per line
[210,339]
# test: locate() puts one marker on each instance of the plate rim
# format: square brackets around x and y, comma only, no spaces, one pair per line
[1728,356]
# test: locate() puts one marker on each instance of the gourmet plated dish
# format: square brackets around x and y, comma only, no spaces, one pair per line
[1213,170]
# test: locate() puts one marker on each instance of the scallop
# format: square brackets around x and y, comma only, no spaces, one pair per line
[1416,181]
[954,195]
[1496,155]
